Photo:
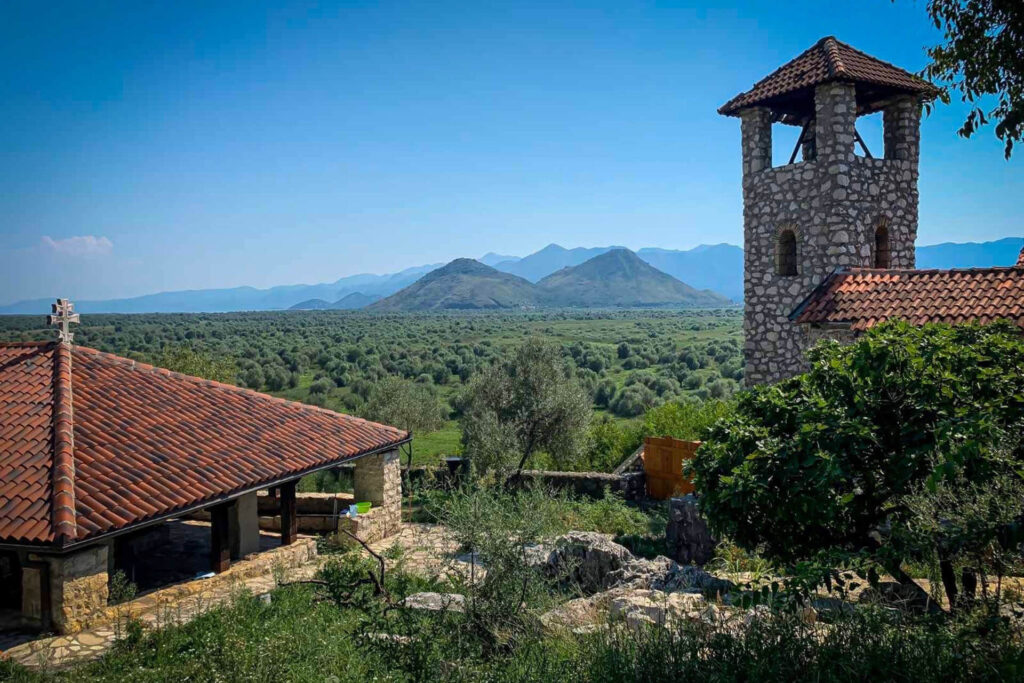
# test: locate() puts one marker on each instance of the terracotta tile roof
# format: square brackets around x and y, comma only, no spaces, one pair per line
[828,60]
[863,297]
[91,443]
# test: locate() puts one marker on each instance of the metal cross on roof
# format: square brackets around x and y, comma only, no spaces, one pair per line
[63,315]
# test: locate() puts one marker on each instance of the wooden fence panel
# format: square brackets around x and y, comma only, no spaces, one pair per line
[663,463]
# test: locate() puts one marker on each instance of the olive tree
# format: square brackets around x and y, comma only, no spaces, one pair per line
[408,405]
[830,460]
[524,404]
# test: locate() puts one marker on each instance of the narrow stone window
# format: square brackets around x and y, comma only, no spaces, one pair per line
[785,253]
[883,256]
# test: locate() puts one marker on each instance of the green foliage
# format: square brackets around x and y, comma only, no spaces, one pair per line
[823,462]
[527,403]
[982,58]
[120,589]
[406,405]
[188,361]
[610,442]
[689,421]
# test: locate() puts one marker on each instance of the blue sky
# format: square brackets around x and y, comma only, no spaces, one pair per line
[155,146]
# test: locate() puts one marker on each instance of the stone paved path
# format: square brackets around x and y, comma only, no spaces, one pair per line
[154,611]
[426,549]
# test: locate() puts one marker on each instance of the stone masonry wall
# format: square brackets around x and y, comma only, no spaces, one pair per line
[78,588]
[378,479]
[833,203]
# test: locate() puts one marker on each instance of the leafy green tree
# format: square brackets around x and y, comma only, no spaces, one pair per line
[982,57]
[405,404]
[188,361]
[825,461]
[527,403]
[412,406]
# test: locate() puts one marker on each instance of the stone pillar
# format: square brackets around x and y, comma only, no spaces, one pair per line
[756,126]
[243,518]
[835,116]
[78,588]
[688,538]
[901,122]
[378,479]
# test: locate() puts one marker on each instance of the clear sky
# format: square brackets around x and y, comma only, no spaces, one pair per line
[173,145]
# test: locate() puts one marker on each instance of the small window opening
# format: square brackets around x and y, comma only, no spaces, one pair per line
[785,253]
[883,255]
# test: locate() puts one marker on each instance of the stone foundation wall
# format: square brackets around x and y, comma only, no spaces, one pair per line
[78,588]
[833,203]
[630,485]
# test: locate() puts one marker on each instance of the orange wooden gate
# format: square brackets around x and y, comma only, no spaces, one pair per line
[663,463]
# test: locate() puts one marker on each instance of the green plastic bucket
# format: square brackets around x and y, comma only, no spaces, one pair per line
[362,508]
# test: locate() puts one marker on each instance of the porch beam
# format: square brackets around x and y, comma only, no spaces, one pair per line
[220,538]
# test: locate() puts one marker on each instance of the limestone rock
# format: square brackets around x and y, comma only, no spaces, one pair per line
[436,602]
[587,559]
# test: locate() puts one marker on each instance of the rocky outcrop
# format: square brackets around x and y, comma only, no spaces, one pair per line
[592,562]
[617,585]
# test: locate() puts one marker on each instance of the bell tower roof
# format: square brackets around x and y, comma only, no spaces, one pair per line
[789,90]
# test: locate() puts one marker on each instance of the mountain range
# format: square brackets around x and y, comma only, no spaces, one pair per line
[612,278]
[716,267]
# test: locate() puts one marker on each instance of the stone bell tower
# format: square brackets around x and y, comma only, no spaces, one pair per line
[830,208]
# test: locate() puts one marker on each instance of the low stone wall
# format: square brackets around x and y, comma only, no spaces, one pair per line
[263,563]
[630,485]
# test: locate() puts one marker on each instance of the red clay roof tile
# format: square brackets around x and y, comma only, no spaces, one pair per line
[92,443]
[863,297]
[826,61]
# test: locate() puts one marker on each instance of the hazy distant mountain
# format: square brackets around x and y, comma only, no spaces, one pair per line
[356,300]
[311,305]
[1002,252]
[491,259]
[621,278]
[463,284]
[237,298]
[716,267]
[347,302]
[549,259]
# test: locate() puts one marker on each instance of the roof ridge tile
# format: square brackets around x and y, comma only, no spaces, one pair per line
[63,509]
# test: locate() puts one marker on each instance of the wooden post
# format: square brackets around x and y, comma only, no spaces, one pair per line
[220,539]
[289,519]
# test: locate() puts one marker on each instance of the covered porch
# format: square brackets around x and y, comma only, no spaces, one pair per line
[67,591]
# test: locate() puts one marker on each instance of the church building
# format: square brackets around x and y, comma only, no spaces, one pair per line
[829,235]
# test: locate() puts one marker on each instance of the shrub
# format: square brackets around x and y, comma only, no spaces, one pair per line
[824,461]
